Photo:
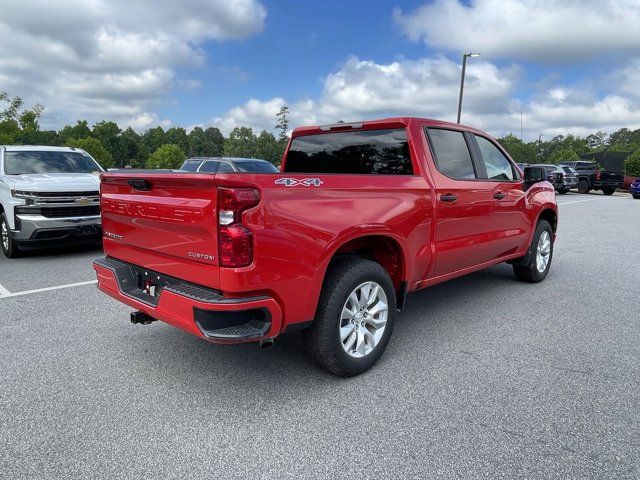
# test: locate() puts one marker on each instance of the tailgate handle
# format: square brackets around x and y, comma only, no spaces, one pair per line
[140,184]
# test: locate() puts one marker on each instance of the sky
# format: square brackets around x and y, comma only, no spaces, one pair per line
[563,66]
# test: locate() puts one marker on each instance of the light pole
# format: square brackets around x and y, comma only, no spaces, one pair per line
[464,66]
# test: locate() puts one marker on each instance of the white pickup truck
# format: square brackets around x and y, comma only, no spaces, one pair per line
[47,195]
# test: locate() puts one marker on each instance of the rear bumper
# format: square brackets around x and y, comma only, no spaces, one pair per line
[198,310]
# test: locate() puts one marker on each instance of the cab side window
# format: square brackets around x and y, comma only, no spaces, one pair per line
[451,154]
[225,168]
[209,167]
[498,167]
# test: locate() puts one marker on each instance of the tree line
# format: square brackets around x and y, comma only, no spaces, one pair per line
[567,148]
[156,147]
[112,146]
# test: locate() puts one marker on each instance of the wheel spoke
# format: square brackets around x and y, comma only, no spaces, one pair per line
[348,344]
[347,313]
[346,331]
[376,322]
[378,308]
[360,345]
[364,294]
[373,295]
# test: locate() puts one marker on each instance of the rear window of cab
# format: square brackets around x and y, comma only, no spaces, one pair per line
[369,152]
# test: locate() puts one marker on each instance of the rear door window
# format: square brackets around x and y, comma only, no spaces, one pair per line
[451,154]
[372,152]
[190,165]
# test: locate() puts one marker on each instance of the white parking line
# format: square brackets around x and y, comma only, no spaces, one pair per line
[4,293]
[579,201]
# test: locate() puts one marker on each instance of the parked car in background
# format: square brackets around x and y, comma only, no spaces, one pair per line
[569,177]
[558,177]
[362,214]
[47,195]
[591,177]
[228,165]
[634,189]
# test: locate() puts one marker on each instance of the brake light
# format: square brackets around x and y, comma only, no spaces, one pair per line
[598,175]
[235,241]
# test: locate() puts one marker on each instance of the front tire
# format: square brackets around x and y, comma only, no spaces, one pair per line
[354,319]
[541,253]
[583,186]
[9,245]
[608,191]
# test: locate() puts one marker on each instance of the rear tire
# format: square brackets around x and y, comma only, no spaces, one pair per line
[9,245]
[583,186]
[637,197]
[340,315]
[563,191]
[540,257]
[608,191]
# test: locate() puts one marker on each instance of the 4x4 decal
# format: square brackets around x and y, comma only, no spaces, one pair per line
[292,182]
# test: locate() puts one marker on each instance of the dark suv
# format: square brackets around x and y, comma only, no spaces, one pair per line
[591,177]
[228,165]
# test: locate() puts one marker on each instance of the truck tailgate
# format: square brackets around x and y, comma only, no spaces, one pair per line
[170,215]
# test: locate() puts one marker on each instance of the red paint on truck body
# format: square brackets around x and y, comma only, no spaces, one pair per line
[298,229]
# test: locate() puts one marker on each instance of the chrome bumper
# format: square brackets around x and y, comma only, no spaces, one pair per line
[29,226]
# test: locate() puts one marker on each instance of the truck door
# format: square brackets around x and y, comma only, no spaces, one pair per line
[509,220]
[464,204]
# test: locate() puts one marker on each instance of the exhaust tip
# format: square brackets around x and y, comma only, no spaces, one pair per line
[266,343]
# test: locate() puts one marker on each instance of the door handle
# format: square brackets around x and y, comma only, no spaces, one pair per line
[499,195]
[448,197]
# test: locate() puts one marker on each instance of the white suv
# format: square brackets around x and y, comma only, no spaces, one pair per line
[47,194]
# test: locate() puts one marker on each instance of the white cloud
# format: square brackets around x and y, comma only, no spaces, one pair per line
[542,30]
[363,89]
[111,59]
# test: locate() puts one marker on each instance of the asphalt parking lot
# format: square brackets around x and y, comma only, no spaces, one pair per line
[484,377]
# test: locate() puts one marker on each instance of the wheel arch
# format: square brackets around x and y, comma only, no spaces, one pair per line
[551,216]
[383,249]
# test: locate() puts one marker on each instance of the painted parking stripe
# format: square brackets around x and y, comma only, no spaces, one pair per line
[579,201]
[47,289]
[4,292]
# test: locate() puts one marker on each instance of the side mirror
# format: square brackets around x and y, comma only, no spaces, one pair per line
[534,175]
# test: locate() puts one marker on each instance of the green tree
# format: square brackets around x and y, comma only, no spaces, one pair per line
[79,130]
[521,152]
[266,147]
[178,136]
[213,142]
[109,135]
[197,143]
[94,148]
[152,140]
[17,124]
[563,155]
[130,145]
[283,122]
[632,164]
[167,156]
[241,143]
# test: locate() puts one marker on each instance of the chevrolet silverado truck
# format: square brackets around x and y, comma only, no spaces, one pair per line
[592,177]
[48,195]
[359,215]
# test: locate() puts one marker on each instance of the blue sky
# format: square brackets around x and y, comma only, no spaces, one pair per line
[569,67]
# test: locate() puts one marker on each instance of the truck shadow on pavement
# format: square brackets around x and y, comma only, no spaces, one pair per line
[427,311]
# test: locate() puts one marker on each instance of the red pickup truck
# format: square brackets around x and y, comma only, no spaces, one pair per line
[359,215]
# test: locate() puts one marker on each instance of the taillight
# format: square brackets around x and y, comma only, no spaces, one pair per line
[235,241]
[598,175]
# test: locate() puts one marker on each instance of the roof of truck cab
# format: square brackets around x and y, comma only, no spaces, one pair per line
[381,123]
[42,148]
